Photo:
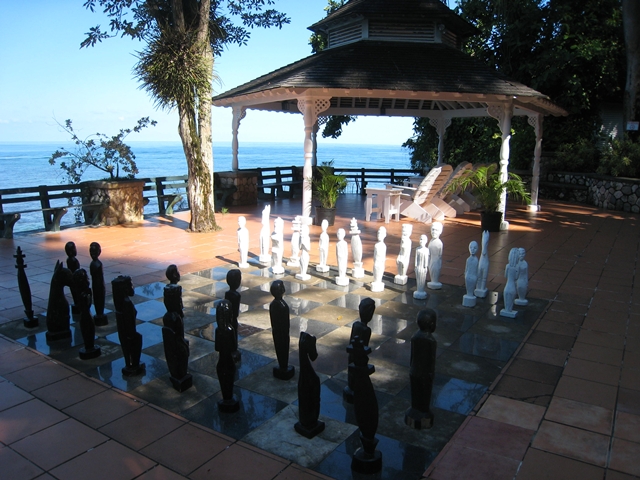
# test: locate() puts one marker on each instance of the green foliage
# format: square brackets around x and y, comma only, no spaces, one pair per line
[582,155]
[319,41]
[109,154]
[621,159]
[327,186]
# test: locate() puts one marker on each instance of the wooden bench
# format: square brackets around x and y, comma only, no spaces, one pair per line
[167,190]
[272,182]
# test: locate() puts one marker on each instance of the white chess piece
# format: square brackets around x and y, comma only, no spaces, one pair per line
[342,253]
[509,294]
[435,256]
[243,242]
[323,244]
[421,268]
[471,275]
[356,250]
[404,256]
[483,267]
[305,247]
[265,236]
[294,260]
[522,285]
[277,247]
[379,261]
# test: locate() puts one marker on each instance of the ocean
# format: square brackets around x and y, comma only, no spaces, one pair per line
[27,165]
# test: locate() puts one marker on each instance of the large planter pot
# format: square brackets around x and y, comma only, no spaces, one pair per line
[328,214]
[490,221]
[125,199]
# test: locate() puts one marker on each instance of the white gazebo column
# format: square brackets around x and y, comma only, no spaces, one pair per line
[310,107]
[503,113]
[440,124]
[536,122]
[238,114]
[316,128]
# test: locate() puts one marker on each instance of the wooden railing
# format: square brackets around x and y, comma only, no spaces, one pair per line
[360,177]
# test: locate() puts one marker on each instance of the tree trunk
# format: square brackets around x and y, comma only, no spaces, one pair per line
[631,22]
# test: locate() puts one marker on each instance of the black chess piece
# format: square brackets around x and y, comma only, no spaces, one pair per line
[363,332]
[308,389]
[422,371]
[280,323]
[234,279]
[97,284]
[226,367]
[72,264]
[172,274]
[176,347]
[30,321]
[87,328]
[367,459]
[58,316]
[130,339]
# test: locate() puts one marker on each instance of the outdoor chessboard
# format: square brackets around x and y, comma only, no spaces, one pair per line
[473,346]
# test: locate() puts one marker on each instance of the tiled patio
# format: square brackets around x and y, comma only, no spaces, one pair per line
[565,405]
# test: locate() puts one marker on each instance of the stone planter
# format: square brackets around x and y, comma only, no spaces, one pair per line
[125,198]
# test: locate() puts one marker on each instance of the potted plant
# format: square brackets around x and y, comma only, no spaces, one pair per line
[485,183]
[327,187]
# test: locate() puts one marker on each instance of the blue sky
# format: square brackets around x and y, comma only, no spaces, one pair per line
[45,77]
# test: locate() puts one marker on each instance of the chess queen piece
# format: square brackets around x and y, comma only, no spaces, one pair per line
[421,268]
[58,316]
[30,321]
[265,233]
[483,267]
[72,264]
[323,245]
[404,256]
[173,274]
[379,261]
[356,250]
[277,247]
[435,256]
[234,279]
[226,367]
[280,323]
[361,330]
[522,284]
[243,242]
[130,339]
[97,283]
[342,253]
[471,276]
[305,248]
[509,293]
[308,389]
[422,371]
[294,260]
[87,328]
[176,347]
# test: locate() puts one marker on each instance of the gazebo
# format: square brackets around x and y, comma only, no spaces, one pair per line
[392,58]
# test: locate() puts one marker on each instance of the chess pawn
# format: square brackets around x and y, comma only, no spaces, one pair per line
[435,256]
[234,279]
[176,347]
[356,250]
[421,268]
[58,317]
[509,293]
[323,244]
[379,261]
[277,250]
[72,264]
[361,330]
[226,367]
[280,323]
[305,247]
[265,232]
[308,389]
[294,260]
[97,283]
[30,321]
[404,256]
[471,275]
[483,267]
[130,339]
[87,327]
[243,242]
[522,284]
[342,253]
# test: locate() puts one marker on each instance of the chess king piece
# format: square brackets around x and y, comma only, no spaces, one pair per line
[294,260]
[97,283]
[522,283]
[243,242]
[72,264]
[279,315]
[80,281]
[265,232]
[234,279]
[305,248]
[342,253]
[471,275]
[323,245]
[130,339]
[367,459]
[30,321]
[226,367]
[509,293]
[421,268]
[58,316]
[176,347]
[422,371]
[361,330]
[404,256]
[356,250]
[483,267]
[435,256]
[277,247]
[379,261]
[308,389]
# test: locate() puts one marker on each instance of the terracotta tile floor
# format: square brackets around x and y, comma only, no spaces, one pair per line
[567,405]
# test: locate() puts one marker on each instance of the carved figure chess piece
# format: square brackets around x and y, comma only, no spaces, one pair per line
[308,389]
[435,256]
[72,264]
[471,275]
[323,245]
[265,236]
[226,367]
[130,339]
[509,293]
[280,323]
[234,279]
[421,268]
[173,274]
[97,283]
[356,250]
[30,321]
[522,284]
[483,267]
[294,260]
[404,255]
[342,254]
[277,247]
[305,248]
[176,347]
[379,261]
[243,242]
[80,281]
[422,371]
[58,316]
[361,330]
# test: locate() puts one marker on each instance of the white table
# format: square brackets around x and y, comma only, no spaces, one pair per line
[383,201]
